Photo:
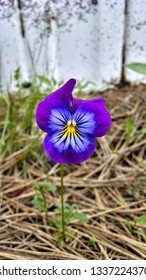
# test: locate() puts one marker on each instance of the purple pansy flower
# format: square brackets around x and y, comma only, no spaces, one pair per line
[71,124]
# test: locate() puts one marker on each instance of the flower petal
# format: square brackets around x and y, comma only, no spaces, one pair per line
[68,153]
[76,103]
[93,118]
[63,94]
[57,99]
[50,113]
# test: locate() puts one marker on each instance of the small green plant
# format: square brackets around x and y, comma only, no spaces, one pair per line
[48,85]
[6,103]
[17,76]
[129,126]
[134,229]
[69,214]
[81,87]
[39,200]
[18,118]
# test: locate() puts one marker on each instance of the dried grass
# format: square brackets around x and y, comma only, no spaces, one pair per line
[102,188]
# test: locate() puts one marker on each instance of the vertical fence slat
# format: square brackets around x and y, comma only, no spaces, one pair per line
[135,45]
[111,35]
[91,49]
[8,52]
[77,45]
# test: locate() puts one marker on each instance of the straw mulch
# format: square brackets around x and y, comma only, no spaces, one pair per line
[110,189]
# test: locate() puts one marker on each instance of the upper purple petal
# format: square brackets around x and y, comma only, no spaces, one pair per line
[76,103]
[64,94]
[59,98]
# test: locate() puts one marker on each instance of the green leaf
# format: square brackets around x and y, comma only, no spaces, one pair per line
[38,203]
[142,134]
[137,67]
[17,74]
[129,126]
[37,186]
[72,208]
[43,188]
[129,226]
[139,232]
[141,220]
[81,217]
[92,242]
[44,80]
[56,222]
[138,185]
[52,188]
[59,210]
[66,219]
[59,238]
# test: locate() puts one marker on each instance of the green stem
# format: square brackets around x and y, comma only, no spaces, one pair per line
[62,202]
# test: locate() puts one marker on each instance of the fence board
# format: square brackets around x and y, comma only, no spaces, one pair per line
[135,39]
[91,49]
[85,40]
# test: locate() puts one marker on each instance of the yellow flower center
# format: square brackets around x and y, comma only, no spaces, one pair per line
[70,129]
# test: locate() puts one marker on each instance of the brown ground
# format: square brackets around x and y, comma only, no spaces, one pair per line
[110,188]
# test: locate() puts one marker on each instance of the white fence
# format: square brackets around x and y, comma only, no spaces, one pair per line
[89,40]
